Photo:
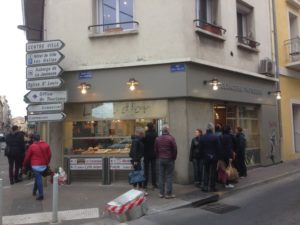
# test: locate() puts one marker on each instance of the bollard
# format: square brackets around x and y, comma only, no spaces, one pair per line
[1,200]
[55,199]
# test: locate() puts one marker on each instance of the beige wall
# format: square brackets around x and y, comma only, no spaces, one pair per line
[166,32]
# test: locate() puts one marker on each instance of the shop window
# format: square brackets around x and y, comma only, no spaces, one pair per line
[115,15]
[296,126]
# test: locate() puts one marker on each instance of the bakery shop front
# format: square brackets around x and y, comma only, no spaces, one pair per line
[97,136]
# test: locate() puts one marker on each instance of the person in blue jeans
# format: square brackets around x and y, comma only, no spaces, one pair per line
[38,156]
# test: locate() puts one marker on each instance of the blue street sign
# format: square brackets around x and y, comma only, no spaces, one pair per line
[178,67]
[85,75]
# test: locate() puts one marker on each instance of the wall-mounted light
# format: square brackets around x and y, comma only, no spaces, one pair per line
[215,83]
[276,93]
[132,83]
[83,87]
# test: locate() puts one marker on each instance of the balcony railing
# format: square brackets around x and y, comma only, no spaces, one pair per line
[248,42]
[212,28]
[293,50]
[114,27]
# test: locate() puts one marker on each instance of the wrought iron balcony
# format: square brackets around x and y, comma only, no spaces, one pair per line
[248,42]
[209,27]
[292,47]
[113,27]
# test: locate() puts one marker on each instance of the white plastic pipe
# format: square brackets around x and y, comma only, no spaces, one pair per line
[55,199]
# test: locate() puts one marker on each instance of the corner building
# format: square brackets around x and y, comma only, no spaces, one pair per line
[174,50]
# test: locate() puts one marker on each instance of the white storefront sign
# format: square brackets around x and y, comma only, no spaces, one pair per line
[120,164]
[86,164]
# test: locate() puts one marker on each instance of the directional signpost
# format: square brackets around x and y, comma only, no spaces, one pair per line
[46,117]
[43,72]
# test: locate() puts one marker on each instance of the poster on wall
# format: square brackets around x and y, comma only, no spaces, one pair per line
[86,164]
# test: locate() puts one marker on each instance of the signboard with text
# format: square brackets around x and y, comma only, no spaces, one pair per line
[86,164]
[46,117]
[45,96]
[43,71]
[120,164]
[43,58]
[44,46]
[45,107]
[47,83]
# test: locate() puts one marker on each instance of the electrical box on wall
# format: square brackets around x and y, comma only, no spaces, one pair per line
[266,67]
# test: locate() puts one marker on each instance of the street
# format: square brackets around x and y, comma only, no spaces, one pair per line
[275,203]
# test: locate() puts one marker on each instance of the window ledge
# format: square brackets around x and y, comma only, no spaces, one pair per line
[115,33]
[248,48]
[209,34]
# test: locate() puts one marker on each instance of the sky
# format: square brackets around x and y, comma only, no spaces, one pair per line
[12,56]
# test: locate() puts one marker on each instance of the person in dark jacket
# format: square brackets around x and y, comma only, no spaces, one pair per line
[137,152]
[196,157]
[38,156]
[241,152]
[226,151]
[210,145]
[166,152]
[149,155]
[16,145]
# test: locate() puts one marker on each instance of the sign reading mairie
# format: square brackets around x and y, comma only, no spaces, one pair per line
[44,46]
[43,71]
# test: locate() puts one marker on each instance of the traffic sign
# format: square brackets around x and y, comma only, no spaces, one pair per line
[45,96]
[45,107]
[46,117]
[44,46]
[43,58]
[48,83]
[43,71]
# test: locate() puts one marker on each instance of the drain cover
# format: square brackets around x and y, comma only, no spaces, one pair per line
[219,208]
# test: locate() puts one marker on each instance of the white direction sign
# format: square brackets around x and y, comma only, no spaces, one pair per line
[46,117]
[44,46]
[48,83]
[43,71]
[46,107]
[45,96]
[43,58]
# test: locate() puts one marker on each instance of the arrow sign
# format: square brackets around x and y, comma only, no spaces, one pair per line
[43,71]
[48,83]
[46,117]
[44,46]
[45,107]
[43,58]
[45,96]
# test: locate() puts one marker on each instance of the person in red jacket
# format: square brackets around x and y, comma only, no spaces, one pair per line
[38,156]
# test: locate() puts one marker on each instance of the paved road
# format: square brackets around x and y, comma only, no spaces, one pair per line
[275,203]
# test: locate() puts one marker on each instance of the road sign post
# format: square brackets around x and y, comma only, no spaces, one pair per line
[45,97]
[43,58]
[46,117]
[44,46]
[55,107]
[47,83]
[37,72]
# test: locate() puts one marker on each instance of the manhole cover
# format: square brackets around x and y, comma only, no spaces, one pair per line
[219,208]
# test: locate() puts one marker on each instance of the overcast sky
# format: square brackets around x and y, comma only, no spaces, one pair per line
[12,56]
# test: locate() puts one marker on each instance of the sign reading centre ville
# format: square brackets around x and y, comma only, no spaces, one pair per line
[43,58]
[45,97]
[44,46]
[49,71]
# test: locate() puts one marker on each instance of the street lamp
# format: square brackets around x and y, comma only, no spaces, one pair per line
[83,87]
[215,83]
[132,83]
[276,93]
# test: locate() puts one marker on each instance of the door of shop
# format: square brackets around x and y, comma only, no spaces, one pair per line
[296,122]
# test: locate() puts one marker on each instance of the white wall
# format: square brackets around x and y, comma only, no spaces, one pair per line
[166,31]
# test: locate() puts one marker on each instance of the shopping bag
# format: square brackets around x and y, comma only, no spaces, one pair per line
[136,176]
[232,173]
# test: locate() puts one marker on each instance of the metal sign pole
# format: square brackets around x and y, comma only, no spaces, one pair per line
[55,199]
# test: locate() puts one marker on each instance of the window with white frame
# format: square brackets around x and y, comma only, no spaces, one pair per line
[115,14]
[245,22]
[207,11]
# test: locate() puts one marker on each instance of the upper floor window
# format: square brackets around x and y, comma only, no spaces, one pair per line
[294,25]
[207,11]
[115,14]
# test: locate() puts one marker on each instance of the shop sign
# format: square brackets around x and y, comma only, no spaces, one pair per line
[45,96]
[178,67]
[86,164]
[47,83]
[45,107]
[44,46]
[43,71]
[120,164]
[43,58]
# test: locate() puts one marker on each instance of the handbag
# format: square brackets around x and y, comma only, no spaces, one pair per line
[47,172]
[232,173]
[136,176]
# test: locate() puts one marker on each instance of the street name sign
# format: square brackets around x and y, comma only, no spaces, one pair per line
[44,46]
[43,71]
[46,117]
[45,107]
[43,58]
[45,96]
[47,83]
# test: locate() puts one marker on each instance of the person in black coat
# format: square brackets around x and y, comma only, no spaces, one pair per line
[241,152]
[196,157]
[137,152]
[16,151]
[149,155]
[210,145]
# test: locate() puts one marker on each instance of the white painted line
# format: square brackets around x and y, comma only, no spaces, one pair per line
[47,216]
[30,183]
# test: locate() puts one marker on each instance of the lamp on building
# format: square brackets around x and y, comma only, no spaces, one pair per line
[132,83]
[25,28]
[83,87]
[215,83]
[276,93]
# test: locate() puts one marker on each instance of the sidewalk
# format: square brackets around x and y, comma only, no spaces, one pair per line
[84,202]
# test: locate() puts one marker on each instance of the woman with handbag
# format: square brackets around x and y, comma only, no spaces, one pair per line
[38,156]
